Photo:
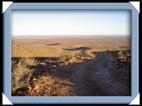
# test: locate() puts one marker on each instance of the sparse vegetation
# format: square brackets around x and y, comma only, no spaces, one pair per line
[21,74]
[120,64]
[54,47]
[52,69]
[23,78]
[51,86]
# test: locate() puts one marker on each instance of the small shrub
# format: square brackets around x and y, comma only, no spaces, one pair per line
[21,74]
[65,57]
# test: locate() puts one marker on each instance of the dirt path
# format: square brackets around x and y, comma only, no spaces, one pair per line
[92,78]
[88,78]
[81,77]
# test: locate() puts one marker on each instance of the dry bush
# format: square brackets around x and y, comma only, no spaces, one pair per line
[51,86]
[21,74]
[119,65]
[84,55]
[124,56]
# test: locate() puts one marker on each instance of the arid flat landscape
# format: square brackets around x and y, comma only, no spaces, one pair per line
[54,46]
[71,66]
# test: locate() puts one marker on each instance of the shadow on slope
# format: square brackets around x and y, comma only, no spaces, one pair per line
[86,78]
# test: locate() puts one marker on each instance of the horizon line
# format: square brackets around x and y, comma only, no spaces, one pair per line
[62,35]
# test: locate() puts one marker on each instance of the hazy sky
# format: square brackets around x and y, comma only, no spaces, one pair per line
[59,22]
